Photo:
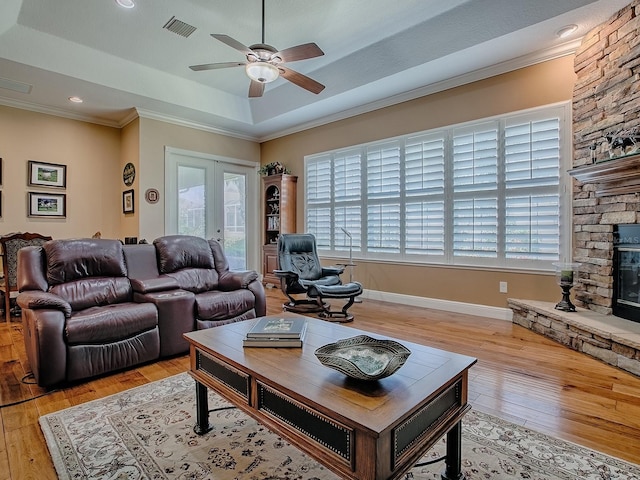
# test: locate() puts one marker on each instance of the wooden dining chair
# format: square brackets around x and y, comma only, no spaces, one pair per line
[10,245]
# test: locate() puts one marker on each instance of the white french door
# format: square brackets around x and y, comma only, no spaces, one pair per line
[213,197]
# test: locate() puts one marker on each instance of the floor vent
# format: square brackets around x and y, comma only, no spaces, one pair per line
[179,27]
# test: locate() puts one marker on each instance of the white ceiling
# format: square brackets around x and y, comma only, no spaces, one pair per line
[377,52]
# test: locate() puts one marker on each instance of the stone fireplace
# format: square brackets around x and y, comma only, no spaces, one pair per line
[606,193]
[606,99]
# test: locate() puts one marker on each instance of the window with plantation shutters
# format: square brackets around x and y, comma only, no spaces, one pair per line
[487,193]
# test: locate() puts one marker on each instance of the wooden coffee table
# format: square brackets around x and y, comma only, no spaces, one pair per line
[360,430]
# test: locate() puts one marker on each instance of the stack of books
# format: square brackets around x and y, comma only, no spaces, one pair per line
[276,332]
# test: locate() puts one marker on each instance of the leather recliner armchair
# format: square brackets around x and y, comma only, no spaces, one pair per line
[199,266]
[301,273]
[78,312]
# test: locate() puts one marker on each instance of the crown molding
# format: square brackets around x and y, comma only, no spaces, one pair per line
[58,112]
[142,113]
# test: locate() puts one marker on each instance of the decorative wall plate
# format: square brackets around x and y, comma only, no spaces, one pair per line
[129,174]
[152,195]
[363,357]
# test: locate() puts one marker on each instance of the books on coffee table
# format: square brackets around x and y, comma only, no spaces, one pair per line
[274,331]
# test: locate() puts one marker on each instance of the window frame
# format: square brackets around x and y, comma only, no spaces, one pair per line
[336,243]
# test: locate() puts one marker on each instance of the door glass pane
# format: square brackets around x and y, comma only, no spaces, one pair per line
[235,240]
[191,201]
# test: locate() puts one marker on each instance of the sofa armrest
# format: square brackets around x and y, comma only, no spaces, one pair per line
[290,282]
[229,280]
[150,285]
[45,345]
[37,300]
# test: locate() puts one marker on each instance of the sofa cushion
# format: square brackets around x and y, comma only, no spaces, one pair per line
[217,305]
[109,323]
[176,252]
[196,280]
[90,292]
[69,260]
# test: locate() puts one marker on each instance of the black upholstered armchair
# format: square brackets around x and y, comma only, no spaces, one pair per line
[301,273]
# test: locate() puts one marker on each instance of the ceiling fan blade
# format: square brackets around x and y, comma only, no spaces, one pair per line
[233,43]
[301,52]
[256,89]
[214,66]
[301,80]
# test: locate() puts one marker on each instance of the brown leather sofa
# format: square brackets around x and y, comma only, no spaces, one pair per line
[92,306]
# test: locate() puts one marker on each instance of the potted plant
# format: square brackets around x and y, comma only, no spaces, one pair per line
[273,168]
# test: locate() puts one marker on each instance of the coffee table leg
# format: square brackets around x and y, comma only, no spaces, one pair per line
[453,461]
[202,410]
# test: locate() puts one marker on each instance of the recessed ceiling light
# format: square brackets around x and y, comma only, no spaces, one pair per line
[566,31]
[75,99]
[126,3]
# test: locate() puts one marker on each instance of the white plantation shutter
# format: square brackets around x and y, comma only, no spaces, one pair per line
[383,193]
[475,199]
[475,159]
[383,228]
[319,179]
[532,197]
[383,170]
[347,201]
[484,193]
[475,228]
[424,228]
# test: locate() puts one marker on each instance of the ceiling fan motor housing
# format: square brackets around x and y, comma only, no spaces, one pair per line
[263,52]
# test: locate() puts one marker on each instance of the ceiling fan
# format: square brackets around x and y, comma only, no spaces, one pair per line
[265,63]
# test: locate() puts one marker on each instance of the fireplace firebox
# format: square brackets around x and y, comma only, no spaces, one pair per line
[626,272]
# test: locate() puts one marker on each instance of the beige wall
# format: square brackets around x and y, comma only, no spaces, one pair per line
[542,84]
[92,156]
[95,156]
[154,137]
[130,153]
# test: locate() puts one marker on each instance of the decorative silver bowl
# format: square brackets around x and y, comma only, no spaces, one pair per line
[363,357]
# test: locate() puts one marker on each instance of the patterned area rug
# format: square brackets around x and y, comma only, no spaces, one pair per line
[147,433]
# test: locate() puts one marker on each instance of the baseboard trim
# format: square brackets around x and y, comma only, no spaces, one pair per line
[438,304]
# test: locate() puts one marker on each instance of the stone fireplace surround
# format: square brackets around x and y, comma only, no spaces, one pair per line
[606,99]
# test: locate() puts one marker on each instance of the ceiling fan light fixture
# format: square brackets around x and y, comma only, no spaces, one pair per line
[262,72]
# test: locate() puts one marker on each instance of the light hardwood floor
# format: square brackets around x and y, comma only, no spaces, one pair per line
[520,376]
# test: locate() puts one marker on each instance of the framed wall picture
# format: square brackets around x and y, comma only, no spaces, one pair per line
[47,175]
[128,205]
[0,172]
[47,204]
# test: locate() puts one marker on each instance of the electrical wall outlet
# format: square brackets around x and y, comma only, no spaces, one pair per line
[503,287]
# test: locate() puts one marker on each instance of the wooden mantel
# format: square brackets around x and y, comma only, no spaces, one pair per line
[612,177]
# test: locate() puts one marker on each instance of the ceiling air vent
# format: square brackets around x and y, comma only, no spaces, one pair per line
[15,86]
[178,27]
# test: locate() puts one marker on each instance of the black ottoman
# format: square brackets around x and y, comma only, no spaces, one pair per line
[323,292]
